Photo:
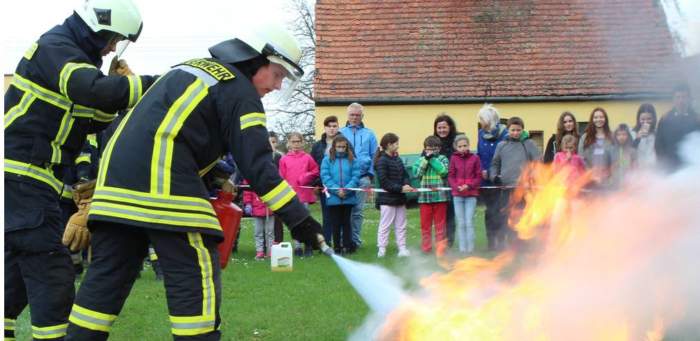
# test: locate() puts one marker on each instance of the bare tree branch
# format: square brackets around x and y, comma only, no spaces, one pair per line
[298,111]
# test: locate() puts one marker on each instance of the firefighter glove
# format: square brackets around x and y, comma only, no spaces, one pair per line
[83,191]
[77,236]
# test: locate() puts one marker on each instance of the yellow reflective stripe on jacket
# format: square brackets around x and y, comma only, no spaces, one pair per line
[50,332]
[152,255]
[152,215]
[92,139]
[168,130]
[61,136]
[10,324]
[42,93]
[67,192]
[91,319]
[192,325]
[135,90]
[153,201]
[103,116]
[252,119]
[83,112]
[206,169]
[20,109]
[107,154]
[278,196]
[34,172]
[84,157]
[92,113]
[66,73]
[30,51]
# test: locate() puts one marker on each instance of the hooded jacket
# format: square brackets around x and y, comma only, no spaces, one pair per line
[509,159]
[300,169]
[364,144]
[340,173]
[486,147]
[465,169]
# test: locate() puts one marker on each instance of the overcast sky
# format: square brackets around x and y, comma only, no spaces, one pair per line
[173,31]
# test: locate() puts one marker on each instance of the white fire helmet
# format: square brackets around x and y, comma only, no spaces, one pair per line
[110,17]
[269,40]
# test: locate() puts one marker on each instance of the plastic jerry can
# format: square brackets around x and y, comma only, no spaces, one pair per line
[229,216]
[282,257]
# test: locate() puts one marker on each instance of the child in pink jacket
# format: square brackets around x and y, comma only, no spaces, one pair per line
[567,158]
[264,223]
[464,177]
[299,169]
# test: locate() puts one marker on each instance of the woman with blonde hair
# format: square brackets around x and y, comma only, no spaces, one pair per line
[491,132]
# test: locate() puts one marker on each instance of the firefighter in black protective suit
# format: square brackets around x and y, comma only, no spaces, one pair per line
[150,186]
[57,96]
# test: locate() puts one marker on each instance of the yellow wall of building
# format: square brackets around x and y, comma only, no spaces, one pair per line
[415,122]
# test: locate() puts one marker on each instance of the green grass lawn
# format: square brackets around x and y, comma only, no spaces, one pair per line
[313,302]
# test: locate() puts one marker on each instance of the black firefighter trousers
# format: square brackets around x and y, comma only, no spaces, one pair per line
[38,268]
[191,274]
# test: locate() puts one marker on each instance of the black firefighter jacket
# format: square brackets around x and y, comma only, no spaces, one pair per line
[150,173]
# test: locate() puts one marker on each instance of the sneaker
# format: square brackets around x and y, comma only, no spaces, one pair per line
[260,255]
[298,252]
[404,252]
[381,253]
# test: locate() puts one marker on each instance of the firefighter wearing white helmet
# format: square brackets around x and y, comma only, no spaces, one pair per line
[57,96]
[150,188]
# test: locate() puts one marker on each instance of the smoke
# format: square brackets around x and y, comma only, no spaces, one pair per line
[683,18]
[628,271]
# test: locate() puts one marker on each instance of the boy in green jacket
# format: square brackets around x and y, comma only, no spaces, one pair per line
[432,169]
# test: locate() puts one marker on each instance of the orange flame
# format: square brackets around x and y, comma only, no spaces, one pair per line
[575,279]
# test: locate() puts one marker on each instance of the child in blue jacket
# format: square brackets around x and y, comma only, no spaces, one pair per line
[340,170]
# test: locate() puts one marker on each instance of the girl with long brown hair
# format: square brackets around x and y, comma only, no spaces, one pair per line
[596,146]
[566,125]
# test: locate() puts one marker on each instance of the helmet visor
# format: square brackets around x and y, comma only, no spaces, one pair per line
[288,88]
[121,47]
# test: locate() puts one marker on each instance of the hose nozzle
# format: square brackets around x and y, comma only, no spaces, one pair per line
[327,250]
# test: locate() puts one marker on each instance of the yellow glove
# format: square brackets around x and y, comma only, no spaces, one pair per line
[77,236]
[82,192]
[119,67]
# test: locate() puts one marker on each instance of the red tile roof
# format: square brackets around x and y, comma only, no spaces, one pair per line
[442,50]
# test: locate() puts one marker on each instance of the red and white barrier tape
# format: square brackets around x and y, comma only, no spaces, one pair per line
[379,190]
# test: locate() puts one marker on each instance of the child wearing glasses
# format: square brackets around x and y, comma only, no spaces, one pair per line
[299,169]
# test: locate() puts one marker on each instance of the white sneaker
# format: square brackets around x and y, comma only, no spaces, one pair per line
[404,252]
[381,253]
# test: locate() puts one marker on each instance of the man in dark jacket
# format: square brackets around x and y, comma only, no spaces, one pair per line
[674,126]
[57,97]
[318,151]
